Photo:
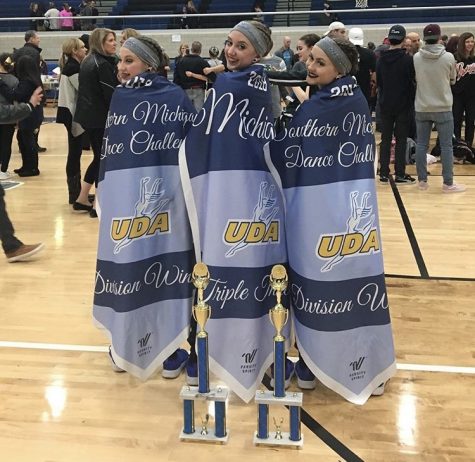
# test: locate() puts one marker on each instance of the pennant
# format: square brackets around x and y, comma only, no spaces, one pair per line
[325,162]
[143,290]
[237,221]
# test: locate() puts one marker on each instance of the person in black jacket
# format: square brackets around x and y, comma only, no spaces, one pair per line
[395,76]
[464,88]
[97,81]
[26,68]
[74,51]
[14,249]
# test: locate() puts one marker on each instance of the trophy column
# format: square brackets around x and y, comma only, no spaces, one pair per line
[264,398]
[219,395]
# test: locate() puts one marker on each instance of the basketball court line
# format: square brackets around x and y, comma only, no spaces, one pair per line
[105,349]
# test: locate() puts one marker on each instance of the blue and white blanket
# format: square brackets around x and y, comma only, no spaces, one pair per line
[143,290]
[237,221]
[325,162]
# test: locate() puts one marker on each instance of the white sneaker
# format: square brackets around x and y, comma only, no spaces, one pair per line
[379,390]
[5,176]
[423,185]
[453,188]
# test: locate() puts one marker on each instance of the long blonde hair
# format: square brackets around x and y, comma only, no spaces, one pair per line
[69,46]
[97,38]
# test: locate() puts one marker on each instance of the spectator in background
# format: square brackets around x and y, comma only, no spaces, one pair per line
[464,88]
[127,33]
[29,81]
[14,249]
[52,17]
[452,44]
[66,21]
[366,64]
[396,89]
[7,130]
[435,73]
[187,22]
[336,29]
[97,81]
[86,9]
[74,51]
[35,13]
[415,43]
[286,53]
[328,16]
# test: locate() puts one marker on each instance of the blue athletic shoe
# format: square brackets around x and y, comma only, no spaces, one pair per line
[173,365]
[192,372]
[289,373]
[305,377]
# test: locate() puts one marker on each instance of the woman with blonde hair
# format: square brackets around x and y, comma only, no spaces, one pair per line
[73,52]
[97,81]
[127,33]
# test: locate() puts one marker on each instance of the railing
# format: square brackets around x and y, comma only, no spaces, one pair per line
[149,21]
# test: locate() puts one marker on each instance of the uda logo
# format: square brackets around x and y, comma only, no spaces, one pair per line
[260,229]
[149,217]
[360,238]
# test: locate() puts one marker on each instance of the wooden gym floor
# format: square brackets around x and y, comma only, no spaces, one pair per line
[60,400]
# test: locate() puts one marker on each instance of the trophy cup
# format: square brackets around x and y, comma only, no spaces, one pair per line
[202,312]
[278,316]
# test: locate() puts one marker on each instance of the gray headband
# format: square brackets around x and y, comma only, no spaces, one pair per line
[336,55]
[144,52]
[254,35]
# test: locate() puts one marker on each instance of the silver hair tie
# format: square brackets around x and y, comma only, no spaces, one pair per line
[144,52]
[254,35]
[336,54]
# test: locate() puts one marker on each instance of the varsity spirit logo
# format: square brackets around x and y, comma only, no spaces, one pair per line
[149,217]
[260,229]
[361,236]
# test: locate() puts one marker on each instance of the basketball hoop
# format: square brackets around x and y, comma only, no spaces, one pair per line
[361,4]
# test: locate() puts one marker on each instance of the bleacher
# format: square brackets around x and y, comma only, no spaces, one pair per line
[396,16]
[20,8]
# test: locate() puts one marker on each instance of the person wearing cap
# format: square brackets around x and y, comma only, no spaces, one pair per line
[139,182]
[435,73]
[395,77]
[336,29]
[325,163]
[367,62]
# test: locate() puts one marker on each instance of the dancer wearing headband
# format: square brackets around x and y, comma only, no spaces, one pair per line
[236,210]
[143,294]
[325,162]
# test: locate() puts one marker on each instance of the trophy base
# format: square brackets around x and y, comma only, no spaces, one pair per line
[214,394]
[285,441]
[208,438]
[205,433]
[290,399]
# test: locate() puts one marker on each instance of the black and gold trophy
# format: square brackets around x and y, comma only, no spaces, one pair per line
[265,398]
[219,395]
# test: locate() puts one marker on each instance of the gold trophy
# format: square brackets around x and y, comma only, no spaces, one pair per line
[278,314]
[201,311]
[189,394]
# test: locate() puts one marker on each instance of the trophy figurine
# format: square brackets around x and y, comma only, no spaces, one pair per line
[279,316]
[202,312]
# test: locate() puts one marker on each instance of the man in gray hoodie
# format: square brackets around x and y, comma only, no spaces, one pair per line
[435,72]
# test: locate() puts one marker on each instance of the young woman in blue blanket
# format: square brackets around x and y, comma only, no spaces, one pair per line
[143,294]
[228,187]
[325,162]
